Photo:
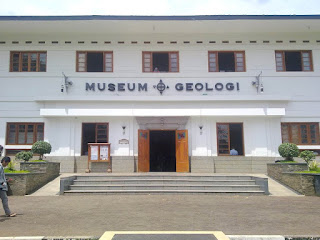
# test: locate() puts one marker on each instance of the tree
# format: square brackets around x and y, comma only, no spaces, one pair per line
[41,147]
[308,156]
[288,151]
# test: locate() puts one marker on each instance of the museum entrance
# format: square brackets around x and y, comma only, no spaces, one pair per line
[162,151]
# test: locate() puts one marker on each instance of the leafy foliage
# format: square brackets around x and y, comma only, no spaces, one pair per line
[24,155]
[288,151]
[41,147]
[307,155]
[11,166]
[314,166]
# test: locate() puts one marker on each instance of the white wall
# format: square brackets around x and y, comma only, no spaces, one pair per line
[24,94]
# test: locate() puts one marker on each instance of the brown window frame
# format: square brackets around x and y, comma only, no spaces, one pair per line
[86,60]
[282,52]
[235,62]
[35,127]
[299,134]
[96,132]
[228,123]
[151,63]
[29,60]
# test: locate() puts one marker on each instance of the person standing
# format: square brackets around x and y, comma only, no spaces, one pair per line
[4,187]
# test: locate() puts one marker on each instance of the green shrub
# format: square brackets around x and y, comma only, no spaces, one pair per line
[314,166]
[41,147]
[26,156]
[11,166]
[307,156]
[288,151]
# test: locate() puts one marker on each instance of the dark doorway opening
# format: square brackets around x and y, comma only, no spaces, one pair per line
[160,62]
[95,62]
[226,62]
[162,151]
[236,139]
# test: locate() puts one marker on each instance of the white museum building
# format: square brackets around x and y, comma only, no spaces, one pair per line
[167,93]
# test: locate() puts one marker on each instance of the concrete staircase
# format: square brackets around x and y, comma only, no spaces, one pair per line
[166,183]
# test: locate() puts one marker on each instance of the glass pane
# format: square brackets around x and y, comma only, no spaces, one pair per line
[15,62]
[303,134]
[21,134]
[30,134]
[295,133]
[223,138]
[285,133]
[313,134]
[40,132]
[102,136]
[25,57]
[43,62]
[33,62]
[12,134]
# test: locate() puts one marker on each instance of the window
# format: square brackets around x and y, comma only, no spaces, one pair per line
[160,61]
[94,133]
[28,62]
[24,133]
[300,133]
[94,61]
[293,61]
[230,135]
[226,61]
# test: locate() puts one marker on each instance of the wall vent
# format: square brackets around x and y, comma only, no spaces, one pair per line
[160,42]
[173,42]
[120,42]
[225,41]
[54,42]
[186,42]
[318,41]
[279,41]
[146,42]
[306,41]
[212,41]
[292,41]
[134,42]
[266,41]
[67,42]
[253,41]
[42,42]
[238,41]
[15,42]
[107,42]
[28,42]
[199,42]
[94,42]
[80,42]
[2,42]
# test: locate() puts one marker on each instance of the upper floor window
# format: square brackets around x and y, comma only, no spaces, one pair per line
[28,61]
[94,61]
[24,133]
[160,61]
[300,133]
[293,61]
[226,61]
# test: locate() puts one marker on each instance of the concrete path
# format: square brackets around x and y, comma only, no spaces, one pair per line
[93,215]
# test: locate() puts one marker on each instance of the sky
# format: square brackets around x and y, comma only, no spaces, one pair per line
[158,7]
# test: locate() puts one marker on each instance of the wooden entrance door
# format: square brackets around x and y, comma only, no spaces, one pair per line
[182,154]
[143,151]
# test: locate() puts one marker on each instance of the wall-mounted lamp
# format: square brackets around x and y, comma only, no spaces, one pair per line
[123,130]
[200,127]
[66,83]
[258,83]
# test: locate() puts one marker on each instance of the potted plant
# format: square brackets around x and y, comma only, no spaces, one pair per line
[24,155]
[288,151]
[41,147]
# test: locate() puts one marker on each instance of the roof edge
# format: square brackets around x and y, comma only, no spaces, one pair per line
[159,18]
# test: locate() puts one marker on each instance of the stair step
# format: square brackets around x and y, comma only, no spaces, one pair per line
[165,181]
[157,177]
[163,187]
[237,192]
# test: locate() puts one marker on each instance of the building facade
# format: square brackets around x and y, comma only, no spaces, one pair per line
[169,93]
